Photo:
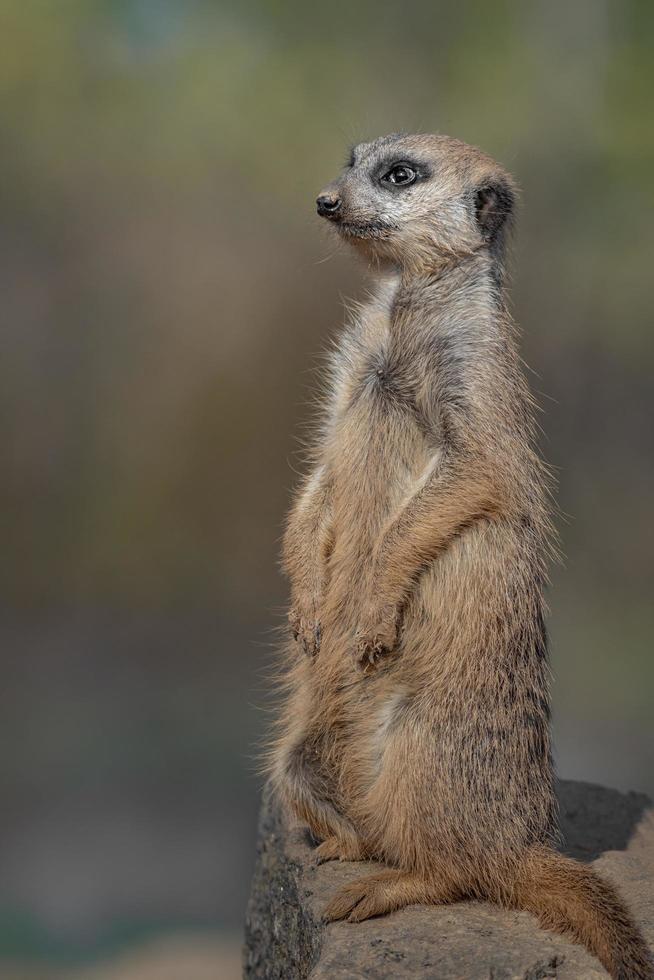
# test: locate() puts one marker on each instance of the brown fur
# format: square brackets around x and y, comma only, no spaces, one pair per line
[416,726]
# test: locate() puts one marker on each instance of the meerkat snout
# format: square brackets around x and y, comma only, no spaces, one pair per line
[327,205]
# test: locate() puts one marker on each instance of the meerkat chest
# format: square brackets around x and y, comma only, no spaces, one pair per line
[383,385]
[383,432]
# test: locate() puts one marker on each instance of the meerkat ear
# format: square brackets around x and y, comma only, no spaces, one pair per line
[494,203]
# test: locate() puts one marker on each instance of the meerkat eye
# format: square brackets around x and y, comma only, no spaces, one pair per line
[400,175]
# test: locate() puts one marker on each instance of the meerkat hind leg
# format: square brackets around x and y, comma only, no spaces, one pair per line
[385,892]
[303,788]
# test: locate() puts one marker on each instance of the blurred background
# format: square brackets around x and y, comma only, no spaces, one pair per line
[166,289]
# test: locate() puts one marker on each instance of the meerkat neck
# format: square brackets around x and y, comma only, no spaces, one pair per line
[460,272]
[465,291]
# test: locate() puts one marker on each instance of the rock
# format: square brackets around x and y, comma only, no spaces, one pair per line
[286,940]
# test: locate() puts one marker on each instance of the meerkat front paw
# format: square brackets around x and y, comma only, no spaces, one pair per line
[373,642]
[306,631]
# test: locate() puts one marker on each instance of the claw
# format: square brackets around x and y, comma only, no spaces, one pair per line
[306,632]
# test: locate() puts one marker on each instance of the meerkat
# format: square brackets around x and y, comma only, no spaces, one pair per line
[416,724]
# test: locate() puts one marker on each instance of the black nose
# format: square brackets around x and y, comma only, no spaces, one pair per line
[327,205]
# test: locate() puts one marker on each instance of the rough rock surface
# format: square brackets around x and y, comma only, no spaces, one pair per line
[285,939]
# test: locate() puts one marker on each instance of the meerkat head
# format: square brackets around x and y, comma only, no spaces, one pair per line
[415,201]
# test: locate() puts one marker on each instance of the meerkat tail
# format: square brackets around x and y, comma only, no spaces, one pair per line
[569,898]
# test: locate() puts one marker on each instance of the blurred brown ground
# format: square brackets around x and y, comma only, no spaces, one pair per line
[172,958]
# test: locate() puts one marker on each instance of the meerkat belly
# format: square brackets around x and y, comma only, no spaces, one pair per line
[472,672]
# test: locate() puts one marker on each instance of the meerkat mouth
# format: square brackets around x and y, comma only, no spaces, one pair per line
[365,229]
